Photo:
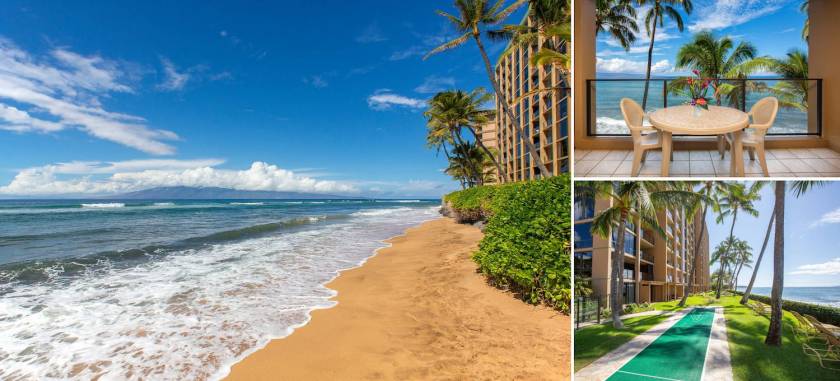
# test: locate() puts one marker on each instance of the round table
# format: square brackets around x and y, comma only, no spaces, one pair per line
[716,121]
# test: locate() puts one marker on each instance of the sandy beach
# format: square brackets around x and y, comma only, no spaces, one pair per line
[418,310]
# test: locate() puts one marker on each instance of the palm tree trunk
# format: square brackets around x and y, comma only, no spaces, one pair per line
[649,62]
[694,262]
[502,173]
[535,156]
[617,280]
[725,257]
[774,333]
[758,261]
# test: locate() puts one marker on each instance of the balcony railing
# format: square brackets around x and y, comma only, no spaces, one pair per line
[647,256]
[800,112]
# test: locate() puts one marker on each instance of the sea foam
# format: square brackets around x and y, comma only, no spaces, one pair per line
[190,314]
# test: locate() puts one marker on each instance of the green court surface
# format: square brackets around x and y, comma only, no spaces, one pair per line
[678,354]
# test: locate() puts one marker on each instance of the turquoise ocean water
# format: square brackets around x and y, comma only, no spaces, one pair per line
[172,289]
[608,94]
[829,296]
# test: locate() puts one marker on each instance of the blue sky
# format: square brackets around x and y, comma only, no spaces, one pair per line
[812,237]
[296,95]
[773,26]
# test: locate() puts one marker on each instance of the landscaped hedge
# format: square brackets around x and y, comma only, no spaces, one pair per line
[526,240]
[471,205]
[824,314]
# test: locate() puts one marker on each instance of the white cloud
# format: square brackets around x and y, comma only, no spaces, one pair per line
[172,79]
[384,99]
[62,90]
[831,267]
[621,65]
[832,217]
[727,13]
[434,84]
[372,33]
[316,81]
[409,52]
[90,178]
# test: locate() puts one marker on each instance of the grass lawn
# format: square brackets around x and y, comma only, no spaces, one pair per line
[597,340]
[751,359]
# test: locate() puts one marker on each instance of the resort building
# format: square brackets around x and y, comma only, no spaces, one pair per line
[656,268]
[541,103]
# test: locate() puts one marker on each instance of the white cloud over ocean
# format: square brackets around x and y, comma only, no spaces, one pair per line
[92,178]
[831,267]
[621,65]
[62,90]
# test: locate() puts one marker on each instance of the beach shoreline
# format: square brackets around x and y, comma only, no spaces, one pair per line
[417,309]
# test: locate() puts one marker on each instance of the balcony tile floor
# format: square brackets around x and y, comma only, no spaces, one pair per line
[810,162]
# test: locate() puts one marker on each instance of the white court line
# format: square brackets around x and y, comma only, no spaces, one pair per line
[718,364]
[648,376]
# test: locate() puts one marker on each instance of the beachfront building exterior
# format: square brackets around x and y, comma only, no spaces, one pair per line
[656,268]
[540,100]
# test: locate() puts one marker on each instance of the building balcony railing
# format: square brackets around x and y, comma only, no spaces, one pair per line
[647,256]
[800,112]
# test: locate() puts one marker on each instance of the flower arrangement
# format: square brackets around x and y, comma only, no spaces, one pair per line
[698,87]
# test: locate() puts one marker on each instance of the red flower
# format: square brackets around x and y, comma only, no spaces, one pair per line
[696,72]
[701,101]
[691,81]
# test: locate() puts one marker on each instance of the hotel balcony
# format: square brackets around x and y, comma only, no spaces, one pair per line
[803,141]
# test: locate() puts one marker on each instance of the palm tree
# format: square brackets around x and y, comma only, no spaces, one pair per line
[618,18]
[741,259]
[794,93]
[719,256]
[552,25]
[737,198]
[805,28]
[707,198]
[656,16]
[630,199]
[475,15]
[747,292]
[470,163]
[717,59]
[774,332]
[452,110]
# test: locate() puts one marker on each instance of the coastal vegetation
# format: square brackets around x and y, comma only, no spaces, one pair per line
[526,240]
[448,114]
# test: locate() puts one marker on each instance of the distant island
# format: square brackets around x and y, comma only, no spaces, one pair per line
[209,193]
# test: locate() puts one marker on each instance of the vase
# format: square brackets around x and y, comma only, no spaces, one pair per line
[697,112]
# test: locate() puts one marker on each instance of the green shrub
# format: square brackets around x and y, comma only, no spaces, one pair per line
[825,314]
[526,240]
[471,205]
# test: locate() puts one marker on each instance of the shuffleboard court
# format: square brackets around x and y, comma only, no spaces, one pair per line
[678,354]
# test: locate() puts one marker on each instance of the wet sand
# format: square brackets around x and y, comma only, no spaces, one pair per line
[419,311]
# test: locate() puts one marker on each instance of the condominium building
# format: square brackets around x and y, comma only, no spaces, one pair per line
[656,268]
[540,101]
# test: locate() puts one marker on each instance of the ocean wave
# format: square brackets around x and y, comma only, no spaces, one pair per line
[247,203]
[164,204]
[190,314]
[381,212]
[105,205]
[401,201]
